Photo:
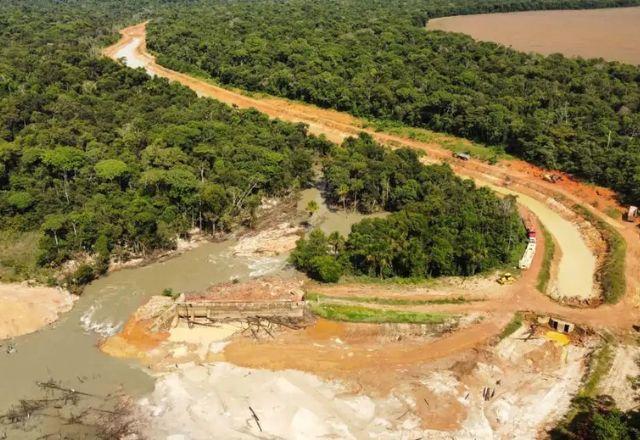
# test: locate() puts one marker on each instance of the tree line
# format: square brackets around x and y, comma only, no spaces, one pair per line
[440,224]
[374,59]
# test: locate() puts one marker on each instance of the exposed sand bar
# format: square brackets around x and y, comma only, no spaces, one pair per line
[612,34]
[25,309]
[576,259]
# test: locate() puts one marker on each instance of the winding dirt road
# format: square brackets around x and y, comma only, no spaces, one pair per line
[577,263]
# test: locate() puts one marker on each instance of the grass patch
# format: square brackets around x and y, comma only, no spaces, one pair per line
[549,251]
[612,272]
[450,142]
[398,281]
[613,213]
[512,326]
[18,255]
[386,301]
[599,366]
[338,312]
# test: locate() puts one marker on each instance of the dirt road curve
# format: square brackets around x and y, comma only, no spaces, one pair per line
[516,176]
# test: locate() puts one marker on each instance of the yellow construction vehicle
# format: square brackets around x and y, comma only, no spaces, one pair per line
[506,278]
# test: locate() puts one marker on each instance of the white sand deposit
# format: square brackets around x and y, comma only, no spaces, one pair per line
[268,243]
[206,402]
[533,384]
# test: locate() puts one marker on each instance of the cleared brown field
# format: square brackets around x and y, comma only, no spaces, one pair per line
[612,34]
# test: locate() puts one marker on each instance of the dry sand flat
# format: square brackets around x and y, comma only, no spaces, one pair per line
[612,34]
[25,309]
[531,383]
[216,401]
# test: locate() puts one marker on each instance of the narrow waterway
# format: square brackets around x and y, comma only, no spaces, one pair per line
[330,220]
[575,255]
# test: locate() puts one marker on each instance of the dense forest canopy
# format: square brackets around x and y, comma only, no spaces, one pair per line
[375,59]
[98,157]
[440,224]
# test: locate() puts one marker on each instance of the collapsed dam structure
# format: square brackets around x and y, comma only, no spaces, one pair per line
[275,300]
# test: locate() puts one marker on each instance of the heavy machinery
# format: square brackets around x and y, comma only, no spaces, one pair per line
[506,278]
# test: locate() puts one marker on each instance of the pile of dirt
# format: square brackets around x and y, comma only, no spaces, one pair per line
[259,289]
[25,309]
[137,339]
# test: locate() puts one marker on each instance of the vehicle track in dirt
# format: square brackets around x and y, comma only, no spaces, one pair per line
[336,126]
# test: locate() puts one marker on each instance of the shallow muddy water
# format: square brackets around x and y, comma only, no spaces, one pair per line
[330,220]
[613,34]
[67,352]
[577,263]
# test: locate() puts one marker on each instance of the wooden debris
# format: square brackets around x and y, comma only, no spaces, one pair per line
[255,417]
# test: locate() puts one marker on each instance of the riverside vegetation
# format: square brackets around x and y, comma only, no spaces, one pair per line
[97,159]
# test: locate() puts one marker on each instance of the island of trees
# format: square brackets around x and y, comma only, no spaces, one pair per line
[440,224]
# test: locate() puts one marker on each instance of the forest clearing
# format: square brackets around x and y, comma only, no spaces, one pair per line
[597,33]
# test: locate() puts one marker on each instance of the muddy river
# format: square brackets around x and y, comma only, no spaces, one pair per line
[67,351]
[613,34]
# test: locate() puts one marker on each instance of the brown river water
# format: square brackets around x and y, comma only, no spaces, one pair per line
[612,34]
[67,351]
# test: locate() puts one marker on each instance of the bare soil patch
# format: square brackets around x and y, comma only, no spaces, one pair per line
[25,309]
[611,34]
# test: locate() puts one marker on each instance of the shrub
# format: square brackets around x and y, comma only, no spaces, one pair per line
[326,269]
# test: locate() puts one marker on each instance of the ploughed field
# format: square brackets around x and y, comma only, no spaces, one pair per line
[612,34]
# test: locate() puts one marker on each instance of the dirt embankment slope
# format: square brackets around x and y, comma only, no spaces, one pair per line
[517,175]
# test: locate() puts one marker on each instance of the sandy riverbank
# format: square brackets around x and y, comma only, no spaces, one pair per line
[25,309]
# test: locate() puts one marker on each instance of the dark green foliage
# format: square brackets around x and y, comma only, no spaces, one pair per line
[326,269]
[99,157]
[374,59]
[599,419]
[170,293]
[446,226]
[313,256]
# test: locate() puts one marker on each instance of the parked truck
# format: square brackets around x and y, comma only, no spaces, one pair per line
[530,251]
